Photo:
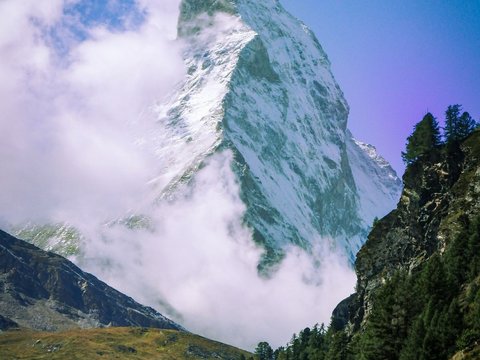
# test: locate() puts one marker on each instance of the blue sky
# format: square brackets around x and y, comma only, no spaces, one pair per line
[396,60]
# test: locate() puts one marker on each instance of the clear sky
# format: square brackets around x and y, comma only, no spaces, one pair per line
[397,59]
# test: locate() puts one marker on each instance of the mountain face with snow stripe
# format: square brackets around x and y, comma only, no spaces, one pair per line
[260,85]
[376,181]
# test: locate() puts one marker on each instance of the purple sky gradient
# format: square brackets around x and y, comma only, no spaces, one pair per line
[396,60]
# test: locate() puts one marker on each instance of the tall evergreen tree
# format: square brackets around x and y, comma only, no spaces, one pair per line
[263,351]
[388,322]
[451,119]
[458,127]
[466,125]
[338,349]
[425,137]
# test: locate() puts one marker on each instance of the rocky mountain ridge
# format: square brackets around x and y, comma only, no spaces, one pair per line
[260,85]
[441,194]
[418,275]
[419,267]
[44,291]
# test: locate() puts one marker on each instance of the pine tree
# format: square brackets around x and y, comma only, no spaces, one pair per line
[387,325]
[466,125]
[425,137]
[338,349]
[451,119]
[434,282]
[413,345]
[474,249]
[317,343]
[263,351]
[458,127]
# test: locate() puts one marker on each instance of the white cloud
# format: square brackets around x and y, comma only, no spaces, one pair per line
[69,153]
[67,123]
[163,15]
[201,260]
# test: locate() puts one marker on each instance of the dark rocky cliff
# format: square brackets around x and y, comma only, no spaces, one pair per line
[418,275]
[441,197]
[44,291]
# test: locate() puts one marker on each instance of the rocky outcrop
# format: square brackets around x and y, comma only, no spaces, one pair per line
[441,196]
[44,291]
[7,324]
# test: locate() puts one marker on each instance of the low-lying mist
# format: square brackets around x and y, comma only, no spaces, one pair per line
[198,264]
[73,151]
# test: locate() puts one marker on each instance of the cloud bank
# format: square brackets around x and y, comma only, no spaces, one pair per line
[70,122]
[75,82]
[198,264]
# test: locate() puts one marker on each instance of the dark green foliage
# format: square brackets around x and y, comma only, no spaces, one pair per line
[442,326]
[425,315]
[388,324]
[432,282]
[462,257]
[263,351]
[429,314]
[466,125]
[339,347]
[451,118]
[425,137]
[310,344]
[458,127]
[413,346]
[473,252]
[426,134]
[472,319]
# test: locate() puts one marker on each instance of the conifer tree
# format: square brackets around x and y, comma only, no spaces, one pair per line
[451,118]
[425,137]
[466,125]
[458,127]
[338,349]
[263,351]
[413,348]
[387,326]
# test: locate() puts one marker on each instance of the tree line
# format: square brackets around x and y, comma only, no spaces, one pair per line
[426,134]
[427,315]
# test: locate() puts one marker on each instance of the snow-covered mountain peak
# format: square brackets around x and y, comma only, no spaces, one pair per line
[253,165]
[372,152]
[260,84]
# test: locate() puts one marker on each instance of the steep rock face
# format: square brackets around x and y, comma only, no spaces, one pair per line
[441,195]
[44,291]
[260,85]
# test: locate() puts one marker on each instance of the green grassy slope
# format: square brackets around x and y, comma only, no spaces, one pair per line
[113,343]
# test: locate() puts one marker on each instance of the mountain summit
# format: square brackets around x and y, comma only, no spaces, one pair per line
[259,85]
[252,161]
